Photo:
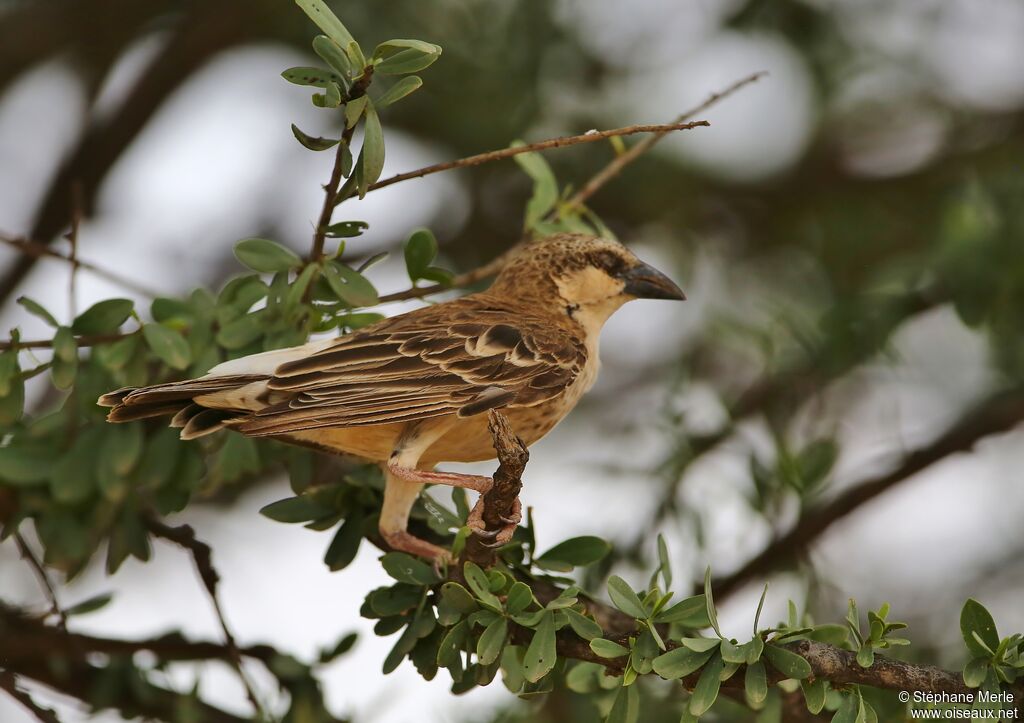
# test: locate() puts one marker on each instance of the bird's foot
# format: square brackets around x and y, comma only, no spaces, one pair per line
[499,537]
[405,542]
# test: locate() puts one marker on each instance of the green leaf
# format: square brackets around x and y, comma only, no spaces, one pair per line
[626,706]
[346,229]
[975,620]
[90,605]
[420,252]
[327,21]
[103,317]
[701,645]
[975,671]
[266,256]
[26,466]
[577,551]
[788,663]
[690,613]
[354,110]
[241,332]
[710,600]
[491,641]
[848,709]
[732,653]
[398,57]
[399,90]
[814,694]
[34,307]
[313,77]
[680,662]
[343,548]
[169,345]
[755,683]
[458,597]
[608,648]
[583,626]
[313,143]
[545,186]
[865,655]
[540,656]
[706,691]
[816,460]
[65,358]
[296,509]
[351,287]
[624,598]
[519,598]
[760,607]
[373,149]
[333,55]
[664,564]
[406,568]
[479,584]
[451,645]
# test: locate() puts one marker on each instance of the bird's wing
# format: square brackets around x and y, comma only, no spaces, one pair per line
[463,357]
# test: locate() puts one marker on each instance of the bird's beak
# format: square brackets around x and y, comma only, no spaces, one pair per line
[646,282]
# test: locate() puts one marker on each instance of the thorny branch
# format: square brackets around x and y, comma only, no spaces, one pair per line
[44,580]
[620,161]
[499,500]
[999,413]
[185,536]
[9,682]
[602,177]
[588,137]
[38,250]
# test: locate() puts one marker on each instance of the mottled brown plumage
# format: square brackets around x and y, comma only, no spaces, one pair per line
[411,391]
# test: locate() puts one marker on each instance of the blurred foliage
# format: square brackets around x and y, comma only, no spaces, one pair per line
[843,259]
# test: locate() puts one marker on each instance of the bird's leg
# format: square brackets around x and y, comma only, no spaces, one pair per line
[477,483]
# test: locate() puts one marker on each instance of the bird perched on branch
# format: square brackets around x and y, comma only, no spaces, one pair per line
[411,391]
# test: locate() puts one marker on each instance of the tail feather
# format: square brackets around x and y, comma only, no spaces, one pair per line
[176,398]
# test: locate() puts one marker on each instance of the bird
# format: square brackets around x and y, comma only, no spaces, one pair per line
[412,391]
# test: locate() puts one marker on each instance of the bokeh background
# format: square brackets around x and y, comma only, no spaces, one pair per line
[849,230]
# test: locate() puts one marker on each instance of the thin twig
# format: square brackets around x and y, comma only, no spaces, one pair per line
[9,682]
[185,536]
[588,137]
[44,581]
[72,237]
[38,250]
[81,341]
[334,184]
[586,191]
[622,160]
[998,414]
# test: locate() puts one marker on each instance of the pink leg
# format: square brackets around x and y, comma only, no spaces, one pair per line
[474,482]
[405,542]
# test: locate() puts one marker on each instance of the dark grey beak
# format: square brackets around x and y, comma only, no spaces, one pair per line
[646,282]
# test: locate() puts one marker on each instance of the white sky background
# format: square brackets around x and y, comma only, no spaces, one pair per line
[219,160]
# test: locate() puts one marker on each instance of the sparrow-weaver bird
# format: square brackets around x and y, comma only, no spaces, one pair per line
[411,391]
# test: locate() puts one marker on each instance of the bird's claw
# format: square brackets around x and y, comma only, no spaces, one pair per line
[494,538]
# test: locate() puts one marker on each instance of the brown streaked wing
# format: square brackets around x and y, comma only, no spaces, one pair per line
[463,357]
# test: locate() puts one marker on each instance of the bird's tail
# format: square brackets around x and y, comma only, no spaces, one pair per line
[200,406]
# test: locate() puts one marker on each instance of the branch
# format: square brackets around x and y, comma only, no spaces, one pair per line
[499,500]
[44,581]
[9,682]
[334,184]
[622,160]
[790,388]
[588,189]
[37,250]
[1000,413]
[588,137]
[185,537]
[87,340]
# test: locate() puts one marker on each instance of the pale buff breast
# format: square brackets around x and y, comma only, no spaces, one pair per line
[466,440]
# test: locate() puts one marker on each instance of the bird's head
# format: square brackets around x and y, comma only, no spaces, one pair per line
[588,277]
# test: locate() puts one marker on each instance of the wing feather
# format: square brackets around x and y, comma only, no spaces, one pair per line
[462,357]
